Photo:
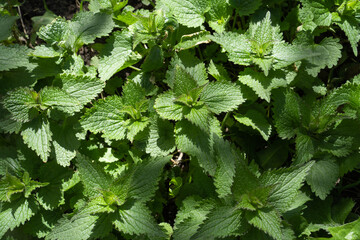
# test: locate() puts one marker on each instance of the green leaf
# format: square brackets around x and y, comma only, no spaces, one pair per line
[219,15]
[92,175]
[322,177]
[221,97]
[116,55]
[196,142]
[133,94]
[316,56]
[193,212]
[286,183]
[257,121]
[134,127]
[37,135]
[237,46]
[54,32]
[43,51]
[287,114]
[305,148]
[52,195]
[352,30]
[198,115]
[86,26]
[21,103]
[6,24]
[137,183]
[263,85]
[315,13]
[245,7]
[347,231]
[58,99]
[14,56]
[188,13]
[161,139]
[65,143]
[106,116]
[136,219]
[82,225]
[167,108]
[225,172]
[224,221]
[266,220]
[16,213]
[82,87]
[192,40]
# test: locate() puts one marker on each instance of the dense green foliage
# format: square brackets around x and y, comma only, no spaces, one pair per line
[192,119]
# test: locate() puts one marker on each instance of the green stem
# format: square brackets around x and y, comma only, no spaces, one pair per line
[152,3]
[135,68]
[45,6]
[224,120]
[234,22]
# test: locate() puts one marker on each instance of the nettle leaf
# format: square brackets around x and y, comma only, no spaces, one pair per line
[58,99]
[255,46]
[16,213]
[37,135]
[133,93]
[161,139]
[245,7]
[134,127]
[322,177]
[349,230]
[140,181]
[52,195]
[222,222]
[225,171]
[106,116]
[315,13]
[6,23]
[286,184]
[136,219]
[266,220]
[92,175]
[82,225]
[86,26]
[65,143]
[193,212]
[21,104]
[54,32]
[315,56]
[196,142]
[188,13]
[352,30]
[221,97]
[82,87]
[192,40]
[219,15]
[116,55]
[236,45]
[13,56]
[167,108]
[257,121]
[263,85]
[287,114]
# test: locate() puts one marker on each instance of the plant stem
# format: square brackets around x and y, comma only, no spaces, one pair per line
[224,120]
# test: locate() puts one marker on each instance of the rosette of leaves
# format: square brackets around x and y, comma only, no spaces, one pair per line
[315,15]
[251,204]
[193,98]
[108,202]
[33,114]
[27,190]
[119,117]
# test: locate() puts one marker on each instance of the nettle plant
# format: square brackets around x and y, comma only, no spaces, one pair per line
[202,119]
